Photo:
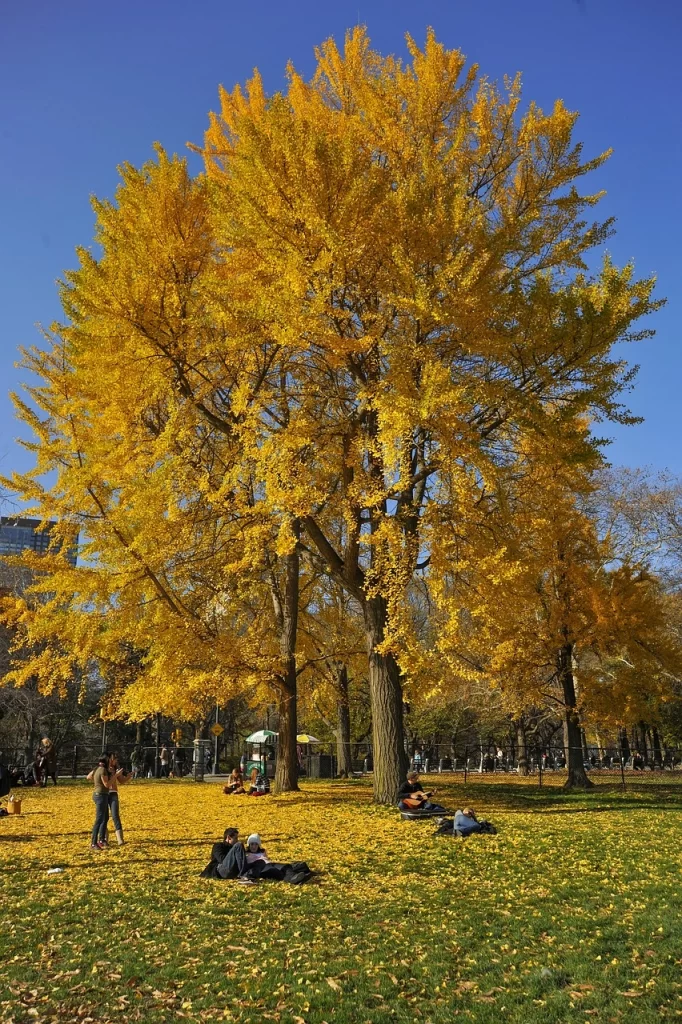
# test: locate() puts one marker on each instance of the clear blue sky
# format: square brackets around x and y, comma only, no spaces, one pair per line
[85,85]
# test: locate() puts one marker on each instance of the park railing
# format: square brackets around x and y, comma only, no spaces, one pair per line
[144,761]
[550,765]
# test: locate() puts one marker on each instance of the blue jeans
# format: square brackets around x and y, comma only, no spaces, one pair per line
[99,829]
[467,826]
[113,811]
[234,863]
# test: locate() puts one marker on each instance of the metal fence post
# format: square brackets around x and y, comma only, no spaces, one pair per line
[74,764]
[622,771]
[539,757]
[466,762]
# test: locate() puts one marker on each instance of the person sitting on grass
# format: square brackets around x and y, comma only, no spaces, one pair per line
[235,783]
[411,796]
[228,859]
[259,784]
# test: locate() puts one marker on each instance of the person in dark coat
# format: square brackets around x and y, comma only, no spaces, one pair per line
[49,755]
[228,859]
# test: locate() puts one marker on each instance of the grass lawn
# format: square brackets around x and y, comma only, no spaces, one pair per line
[571,913]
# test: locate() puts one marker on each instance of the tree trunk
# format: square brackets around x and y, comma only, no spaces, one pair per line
[386,696]
[641,740]
[624,745]
[522,753]
[656,743]
[577,776]
[286,614]
[286,774]
[586,749]
[343,758]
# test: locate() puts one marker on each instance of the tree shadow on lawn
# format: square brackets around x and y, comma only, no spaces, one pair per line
[523,796]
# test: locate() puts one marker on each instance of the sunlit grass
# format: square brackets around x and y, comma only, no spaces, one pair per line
[570,913]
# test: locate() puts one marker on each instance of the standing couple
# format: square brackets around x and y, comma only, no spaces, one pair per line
[106,778]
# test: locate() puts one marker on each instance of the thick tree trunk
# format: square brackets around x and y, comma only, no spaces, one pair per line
[343,758]
[386,696]
[522,753]
[577,776]
[286,774]
[286,614]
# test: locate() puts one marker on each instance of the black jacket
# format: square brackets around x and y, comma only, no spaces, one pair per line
[218,853]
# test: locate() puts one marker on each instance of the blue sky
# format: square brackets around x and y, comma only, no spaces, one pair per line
[87,85]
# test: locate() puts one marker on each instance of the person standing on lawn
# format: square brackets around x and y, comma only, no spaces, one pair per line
[117,777]
[136,761]
[49,755]
[100,781]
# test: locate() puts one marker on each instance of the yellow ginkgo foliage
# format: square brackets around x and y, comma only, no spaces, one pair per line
[315,358]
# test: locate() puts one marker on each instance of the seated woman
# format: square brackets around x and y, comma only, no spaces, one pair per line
[411,797]
[260,866]
[259,784]
[235,783]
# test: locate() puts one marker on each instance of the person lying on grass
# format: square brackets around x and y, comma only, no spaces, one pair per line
[411,796]
[229,859]
[260,865]
[465,824]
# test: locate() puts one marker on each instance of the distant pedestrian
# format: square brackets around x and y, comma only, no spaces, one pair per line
[37,768]
[164,762]
[178,762]
[49,760]
[136,762]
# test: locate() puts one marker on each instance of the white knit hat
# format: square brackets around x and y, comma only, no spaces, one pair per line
[253,838]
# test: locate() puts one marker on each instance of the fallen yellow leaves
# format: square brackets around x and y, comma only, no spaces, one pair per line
[412,930]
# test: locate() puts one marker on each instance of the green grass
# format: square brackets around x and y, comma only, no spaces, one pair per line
[571,913]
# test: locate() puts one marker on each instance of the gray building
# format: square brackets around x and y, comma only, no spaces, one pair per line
[19,534]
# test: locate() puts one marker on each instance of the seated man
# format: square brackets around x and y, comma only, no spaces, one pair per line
[228,859]
[260,865]
[411,796]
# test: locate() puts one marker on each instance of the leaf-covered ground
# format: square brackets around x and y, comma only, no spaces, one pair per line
[571,913]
